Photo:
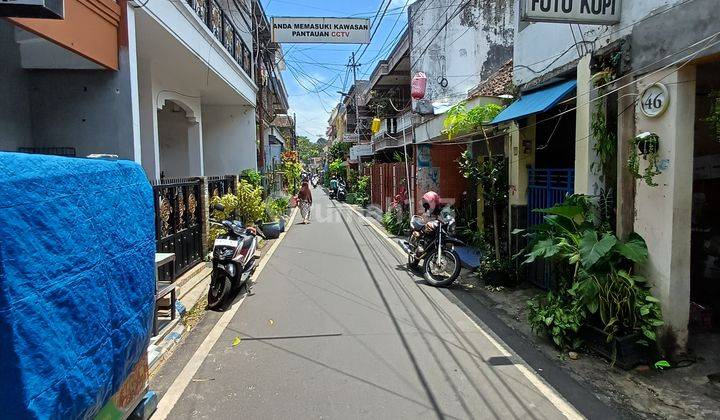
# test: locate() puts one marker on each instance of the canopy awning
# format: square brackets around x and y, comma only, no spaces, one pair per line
[540,100]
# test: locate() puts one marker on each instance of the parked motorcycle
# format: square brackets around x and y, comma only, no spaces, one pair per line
[233,259]
[434,242]
[341,192]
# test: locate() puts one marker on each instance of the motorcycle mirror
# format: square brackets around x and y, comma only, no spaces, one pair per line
[218,207]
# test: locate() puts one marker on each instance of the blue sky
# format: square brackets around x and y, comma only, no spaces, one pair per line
[315,72]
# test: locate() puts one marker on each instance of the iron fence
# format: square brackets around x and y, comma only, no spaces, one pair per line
[221,26]
[178,222]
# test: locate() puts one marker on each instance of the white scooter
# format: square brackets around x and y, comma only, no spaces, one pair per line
[233,259]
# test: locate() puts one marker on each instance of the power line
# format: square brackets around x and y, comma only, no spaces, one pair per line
[688,58]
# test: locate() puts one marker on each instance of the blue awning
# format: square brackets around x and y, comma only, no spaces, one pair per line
[536,101]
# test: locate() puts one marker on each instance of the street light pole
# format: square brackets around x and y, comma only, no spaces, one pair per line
[354,66]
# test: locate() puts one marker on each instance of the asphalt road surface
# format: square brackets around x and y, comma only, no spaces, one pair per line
[338,329]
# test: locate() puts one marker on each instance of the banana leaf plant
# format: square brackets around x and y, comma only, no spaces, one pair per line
[596,269]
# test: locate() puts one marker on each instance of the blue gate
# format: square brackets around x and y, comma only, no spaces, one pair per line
[546,187]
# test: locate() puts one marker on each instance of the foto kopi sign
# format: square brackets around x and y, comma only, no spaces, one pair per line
[593,12]
[323,30]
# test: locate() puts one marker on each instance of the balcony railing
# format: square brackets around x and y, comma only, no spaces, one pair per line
[219,23]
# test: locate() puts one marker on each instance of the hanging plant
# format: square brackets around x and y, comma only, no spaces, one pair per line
[605,139]
[646,145]
[714,116]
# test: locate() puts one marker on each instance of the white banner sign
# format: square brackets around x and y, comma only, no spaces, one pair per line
[597,12]
[351,138]
[321,30]
[356,152]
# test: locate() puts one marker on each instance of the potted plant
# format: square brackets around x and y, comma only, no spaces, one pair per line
[597,284]
[646,145]
[274,211]
[495,272]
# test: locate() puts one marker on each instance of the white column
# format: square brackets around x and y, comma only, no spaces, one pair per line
[195,149]
[587,181]
[134,83]
[663,213]
[149,141]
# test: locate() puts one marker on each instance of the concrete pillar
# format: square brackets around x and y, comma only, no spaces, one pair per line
[587,180]
[625,181]
[149,139]
[205,215]
[131,51]
[522,156]
[195,149]
[663,213]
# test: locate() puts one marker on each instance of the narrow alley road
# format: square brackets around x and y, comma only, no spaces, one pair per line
[337,328]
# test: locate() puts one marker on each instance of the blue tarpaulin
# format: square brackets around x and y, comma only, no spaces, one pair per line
[77,282]
[540,100]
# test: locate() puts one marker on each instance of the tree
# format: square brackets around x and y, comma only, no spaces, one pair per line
[339,150]
[307,149]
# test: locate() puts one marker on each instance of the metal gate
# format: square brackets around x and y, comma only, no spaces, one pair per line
[546,187]
[178,223]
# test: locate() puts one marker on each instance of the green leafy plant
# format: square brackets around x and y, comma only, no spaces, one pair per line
[646,145]
[559,318]
[275,208]
[250,204]
[337,168]
[396,220]
[490,174]
[339,150]
[362,190]
[460,120]
[713,117]
[603,134]
[596,270]
[292,170]
[252,176]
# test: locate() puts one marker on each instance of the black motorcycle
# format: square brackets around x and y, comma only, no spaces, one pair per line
[434,242]
[341,192]
[233,259]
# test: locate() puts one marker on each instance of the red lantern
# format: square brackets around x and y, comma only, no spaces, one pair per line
[418,86]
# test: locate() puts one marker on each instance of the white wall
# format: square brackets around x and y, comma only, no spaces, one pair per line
[174,149]
[557,39]
[470,48]
[228,139]
[181,22]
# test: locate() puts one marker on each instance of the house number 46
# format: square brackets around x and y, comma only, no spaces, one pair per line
[654,100]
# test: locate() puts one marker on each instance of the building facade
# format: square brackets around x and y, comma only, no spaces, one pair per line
[170,85]
[609,70]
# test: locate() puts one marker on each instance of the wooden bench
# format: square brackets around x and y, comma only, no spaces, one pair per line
[163,289]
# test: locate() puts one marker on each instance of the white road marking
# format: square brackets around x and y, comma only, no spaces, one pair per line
[180,383]
[553,396]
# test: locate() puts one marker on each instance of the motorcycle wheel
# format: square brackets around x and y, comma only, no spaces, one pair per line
[219,288]
[446,274]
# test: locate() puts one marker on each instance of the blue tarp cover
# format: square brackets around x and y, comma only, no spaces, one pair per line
[77,282]
[540,100]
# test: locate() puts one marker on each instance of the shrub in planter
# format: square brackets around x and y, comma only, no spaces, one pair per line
[351,198]
[272,230]
[596,275]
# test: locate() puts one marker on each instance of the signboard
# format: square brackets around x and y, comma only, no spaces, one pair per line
[304,30]
[654,100]
[351,137]
[49,9]
[356,152]
[594,12]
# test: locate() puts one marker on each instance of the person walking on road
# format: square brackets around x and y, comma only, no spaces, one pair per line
[305,197]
